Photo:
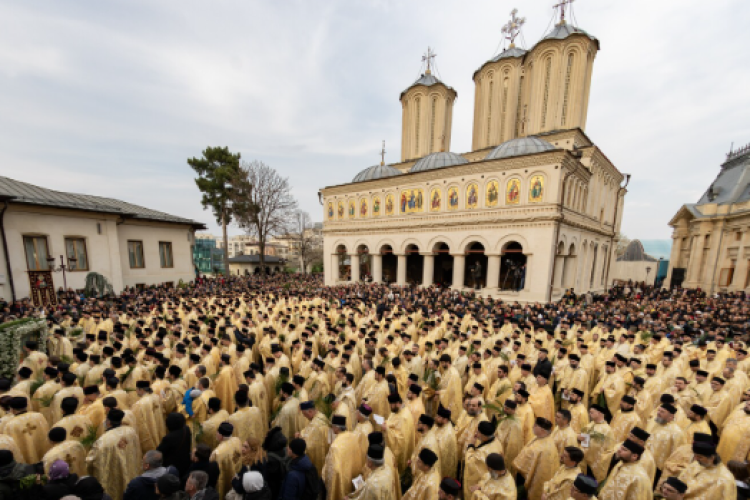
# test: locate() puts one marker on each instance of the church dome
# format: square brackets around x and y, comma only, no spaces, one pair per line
[520,147]
[428,80]
[563,31]
[438,160]
[376,172]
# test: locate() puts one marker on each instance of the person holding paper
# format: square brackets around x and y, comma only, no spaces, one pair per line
[596,440]
[343,462]
[379,485]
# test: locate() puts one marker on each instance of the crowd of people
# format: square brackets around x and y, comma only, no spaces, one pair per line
[279,388]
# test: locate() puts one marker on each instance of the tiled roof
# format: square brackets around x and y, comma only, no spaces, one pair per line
[29,194]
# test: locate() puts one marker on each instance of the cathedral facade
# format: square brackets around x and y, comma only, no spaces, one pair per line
[531,211]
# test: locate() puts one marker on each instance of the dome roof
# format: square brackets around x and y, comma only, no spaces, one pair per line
[520,147]
[509,53]
[428,80]
[376,172]
[563,31]
[438,160]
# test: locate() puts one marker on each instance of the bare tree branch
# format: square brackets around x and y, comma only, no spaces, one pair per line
[262,203]
[306,244]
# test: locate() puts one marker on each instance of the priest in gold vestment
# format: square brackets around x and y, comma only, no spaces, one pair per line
[315,434]
[28,429]
[289,417]
[706,477]
[247,420]
[225,384]
[735,438]
[426,439]
[228,456]
[70,451]
[538,460]
[447,445]
[482,445]
[380,483]
[149,418]
[625,419]
[497,483]
[92,407]
[541,400]
[666,436]
[563,434]
[398,431]
[426,485]
[558,488]
[449,389]
[343,462]
[628,478]
[115,458]
[600,439]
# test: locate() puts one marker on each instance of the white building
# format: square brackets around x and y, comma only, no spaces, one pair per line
[128,244]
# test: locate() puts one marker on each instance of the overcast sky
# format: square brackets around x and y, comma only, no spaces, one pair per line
[111,98]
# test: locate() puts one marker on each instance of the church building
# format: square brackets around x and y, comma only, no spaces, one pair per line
[530,211]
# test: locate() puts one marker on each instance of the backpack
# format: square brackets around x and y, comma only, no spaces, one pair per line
[313,486]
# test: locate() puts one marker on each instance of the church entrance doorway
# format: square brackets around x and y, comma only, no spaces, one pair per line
[443,272]
[475,273]
[390,264]
[342,264]
[414,265]
[512,267]
[365,267]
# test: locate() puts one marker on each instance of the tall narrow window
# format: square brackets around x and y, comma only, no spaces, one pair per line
[75,249]
[503,109]
[566,93]
[519,117]
[432,124]
[135,254]
[418,103]
[36,252]
[165,254]
[547,76]
[489,110]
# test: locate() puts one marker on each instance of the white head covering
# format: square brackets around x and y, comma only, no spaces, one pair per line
[252,481]
[195,393]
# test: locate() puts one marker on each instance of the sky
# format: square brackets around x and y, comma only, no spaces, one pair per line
[111,98]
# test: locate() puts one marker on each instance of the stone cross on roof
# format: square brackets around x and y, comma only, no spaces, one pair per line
[382,154]
[513,28]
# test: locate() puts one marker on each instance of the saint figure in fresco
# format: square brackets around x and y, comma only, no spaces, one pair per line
[330,210]
[472,196]
[403,202]
[536,188]
[513,192]
[389,205]
[453,198]
[435,204]
[492,194]
[363,208]
[376,206]
[341,210]
[420,200]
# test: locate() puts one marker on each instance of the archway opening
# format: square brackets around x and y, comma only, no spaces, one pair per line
[256,270]
[343,264]
[475,273]
[390,264]
[570,268]
[443,272]
[414,265]
[365,262]
[512,267]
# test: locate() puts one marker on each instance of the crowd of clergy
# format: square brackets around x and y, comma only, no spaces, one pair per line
[282,389]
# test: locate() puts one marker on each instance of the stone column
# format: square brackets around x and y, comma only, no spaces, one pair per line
[354,268]
[428,270]
[401,272]
[493,271]
[377,267]
[459,263]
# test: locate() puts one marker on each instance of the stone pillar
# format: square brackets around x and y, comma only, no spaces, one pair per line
[377,267]
[335,272]
[493,271]
[354,268]
[401,272]
[428,270]
[459,263]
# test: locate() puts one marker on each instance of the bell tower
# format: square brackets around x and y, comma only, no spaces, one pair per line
[427,114]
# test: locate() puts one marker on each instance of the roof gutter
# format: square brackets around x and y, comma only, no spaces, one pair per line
[5,249]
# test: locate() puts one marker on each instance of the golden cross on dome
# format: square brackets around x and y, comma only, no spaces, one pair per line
[563,5]
[513,28]
[428,58]
[382,155]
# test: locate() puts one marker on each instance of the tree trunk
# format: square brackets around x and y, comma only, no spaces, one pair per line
[226,242]
[262,248]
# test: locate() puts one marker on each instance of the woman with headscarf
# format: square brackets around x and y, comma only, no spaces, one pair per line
[176,445]
[60,482]
[249,486]
[89,488]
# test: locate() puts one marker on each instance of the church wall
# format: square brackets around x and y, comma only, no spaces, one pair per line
[426,122]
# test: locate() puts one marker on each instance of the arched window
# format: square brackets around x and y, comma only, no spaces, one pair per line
[418,103]
[566,93]
[432,124]
[519,116]
[547,77]
[504,108]
[489,110]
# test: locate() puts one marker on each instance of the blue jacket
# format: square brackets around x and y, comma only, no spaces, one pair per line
[294,483]
[143,487]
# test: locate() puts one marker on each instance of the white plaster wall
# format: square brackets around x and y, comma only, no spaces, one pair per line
[151,235]
[635,271]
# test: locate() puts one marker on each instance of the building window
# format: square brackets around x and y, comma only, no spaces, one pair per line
[547,76]
[738,236]
[36,253]
[135,253]
[503,109]
[416,125]
[432,124]
[489,110]
[75,248]
[566,93]
[165,254]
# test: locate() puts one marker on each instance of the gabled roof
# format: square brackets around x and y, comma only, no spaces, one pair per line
[689,211]
[29,194]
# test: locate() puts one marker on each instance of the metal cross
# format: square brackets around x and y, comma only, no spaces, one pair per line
[513,28]
[382,154]
[428,58]
[564,4]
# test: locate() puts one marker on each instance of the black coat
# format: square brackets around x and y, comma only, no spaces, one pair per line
[176,447]
[55,490]
[543,367]
[210,468]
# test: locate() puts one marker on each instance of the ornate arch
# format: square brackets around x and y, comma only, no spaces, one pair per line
[508,238]
[471,239]
[440,239]
[409,241]
[382,243]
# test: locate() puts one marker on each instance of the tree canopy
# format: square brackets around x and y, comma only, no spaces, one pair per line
[215,170]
